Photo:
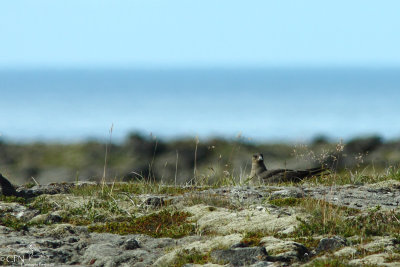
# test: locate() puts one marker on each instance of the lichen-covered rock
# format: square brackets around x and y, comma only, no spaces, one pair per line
[223,221]
[240,256]
[348,252]
[375,260]
[220,219]
[330,243]
[285,250]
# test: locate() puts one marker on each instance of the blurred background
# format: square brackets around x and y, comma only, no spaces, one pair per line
[178,89]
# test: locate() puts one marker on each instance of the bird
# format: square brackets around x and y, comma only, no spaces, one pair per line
[260,171]
[6,188]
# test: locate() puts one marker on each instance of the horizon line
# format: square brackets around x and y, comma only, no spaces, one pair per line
[162,67]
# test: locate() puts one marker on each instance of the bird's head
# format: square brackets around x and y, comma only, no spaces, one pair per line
[257,158]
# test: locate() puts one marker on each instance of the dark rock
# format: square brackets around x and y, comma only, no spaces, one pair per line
[50,189]
[72,239]
[239,245]
[296,252]
[331,243]
[240,256]
[51,243]
[131,244]
[53,218]
[154,201]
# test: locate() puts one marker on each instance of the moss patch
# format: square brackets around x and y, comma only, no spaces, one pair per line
[193,256]
[290,201]
[10,199]
[165,223]
[16,224]
[252,239]
[42,204]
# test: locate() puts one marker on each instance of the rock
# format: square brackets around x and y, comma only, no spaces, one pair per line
[52,242]
[224,221]
[131,244]
[381,243]
[18,211]
[292,192]
[374,260]
[49,189]
[262,264]
[100,254]
[72,239]
[202,265]
[154,201]
[330,243]
[53,218]
[347,252]
[41,218]
[240,256]
[284,250]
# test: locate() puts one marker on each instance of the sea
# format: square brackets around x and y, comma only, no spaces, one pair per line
[261,104]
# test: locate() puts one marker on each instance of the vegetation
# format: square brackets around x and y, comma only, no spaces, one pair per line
[331,263]
[119,208]
[251,239]
[193,161]
[165,223]
[11,199]
[326,219]
[213,200]
[192,256]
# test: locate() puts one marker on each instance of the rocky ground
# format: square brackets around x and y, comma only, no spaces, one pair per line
[129,224]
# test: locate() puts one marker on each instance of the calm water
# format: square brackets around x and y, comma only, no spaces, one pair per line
[264,104]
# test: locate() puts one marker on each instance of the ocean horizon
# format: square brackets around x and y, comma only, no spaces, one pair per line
[263,104]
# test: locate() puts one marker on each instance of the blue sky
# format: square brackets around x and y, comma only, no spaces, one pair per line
[81,36]
[147,33]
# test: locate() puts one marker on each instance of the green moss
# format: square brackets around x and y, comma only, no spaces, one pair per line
[11,199]
[16,224]
[327,219]
[290,201]
[377,223]
[193,256]
[42,204]
[165,223]
[29,185]
[93,211]
[12,222]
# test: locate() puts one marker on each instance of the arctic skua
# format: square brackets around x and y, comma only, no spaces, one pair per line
[6,188]
[259,171]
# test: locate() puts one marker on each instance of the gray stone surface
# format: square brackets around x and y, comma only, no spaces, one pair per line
[240,256]
[331,243]
[64,245]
